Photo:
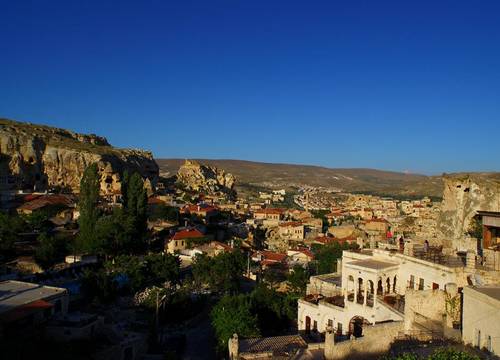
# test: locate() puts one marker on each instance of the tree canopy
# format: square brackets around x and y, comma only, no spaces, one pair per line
[87,240]
[221,273]
[232,314]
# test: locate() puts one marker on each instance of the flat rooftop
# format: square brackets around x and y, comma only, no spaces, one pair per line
[372,264]
[330,278]
[17,293]
[492,291]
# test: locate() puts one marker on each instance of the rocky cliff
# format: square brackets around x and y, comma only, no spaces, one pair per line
[197,177]
[42,157]
[463,196]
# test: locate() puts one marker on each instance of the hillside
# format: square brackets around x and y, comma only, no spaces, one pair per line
[249,173]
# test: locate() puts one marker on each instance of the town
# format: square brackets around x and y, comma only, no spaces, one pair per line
[131,266]
[249,180]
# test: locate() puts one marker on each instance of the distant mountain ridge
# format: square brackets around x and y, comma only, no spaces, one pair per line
[374,181]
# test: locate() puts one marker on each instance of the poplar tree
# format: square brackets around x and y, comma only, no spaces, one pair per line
[87,239]
[135,206]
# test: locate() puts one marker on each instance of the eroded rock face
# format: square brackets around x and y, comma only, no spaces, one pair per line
[42,157]
[197,177]
[463,196]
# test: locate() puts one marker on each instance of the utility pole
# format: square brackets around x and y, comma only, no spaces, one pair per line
[157,320]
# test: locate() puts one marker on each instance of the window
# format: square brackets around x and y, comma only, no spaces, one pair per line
[339,328]
[488,344]
[412,282]
[315,325]
[478,338]
[421,284]
[435,286]
[330,322]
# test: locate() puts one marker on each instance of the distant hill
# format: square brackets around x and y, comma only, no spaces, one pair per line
[267,175]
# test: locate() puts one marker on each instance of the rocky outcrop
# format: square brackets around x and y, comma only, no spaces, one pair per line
[196,177]
[41,157]
[463,196]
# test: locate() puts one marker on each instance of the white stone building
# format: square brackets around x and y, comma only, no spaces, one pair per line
[481,316]
[372,290]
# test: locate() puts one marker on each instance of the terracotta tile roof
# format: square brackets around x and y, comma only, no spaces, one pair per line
[305,251]
[155,201]
[377,220]
[271,256]
[46,200]
[346,239]
[23,311]
[291,224]
[276,211]
[330,239]
[324,239]
[187,234]
[200,208]
[226,247]
[278,345]
[30,197]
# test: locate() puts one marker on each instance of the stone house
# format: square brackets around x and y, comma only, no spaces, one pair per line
[291,230]
[269,214]
[24,305]
[180,240]
[481,316]
[373,286]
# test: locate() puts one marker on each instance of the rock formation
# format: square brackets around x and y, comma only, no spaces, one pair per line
[463,196]
[41,157]
[196,177]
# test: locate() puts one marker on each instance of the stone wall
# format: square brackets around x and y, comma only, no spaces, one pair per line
[377,340]
[432,313]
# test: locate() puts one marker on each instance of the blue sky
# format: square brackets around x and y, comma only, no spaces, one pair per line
[391,85]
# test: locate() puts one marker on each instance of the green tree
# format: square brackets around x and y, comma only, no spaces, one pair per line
[232,314]
[221,273]
[114,234]
[50,249]
[298,279]
[38,221]
[124,186]
[275,274]
[10,226]
[99,285]
[164,212]
[87,240]
[164,267]
[135,268]
[451,354]
[268,305]
[136,203]
[476,228]
[326,255]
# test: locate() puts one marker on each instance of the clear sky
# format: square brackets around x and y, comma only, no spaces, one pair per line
[402,85]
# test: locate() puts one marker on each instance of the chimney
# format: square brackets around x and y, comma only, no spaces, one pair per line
[233,347]
[329,343]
